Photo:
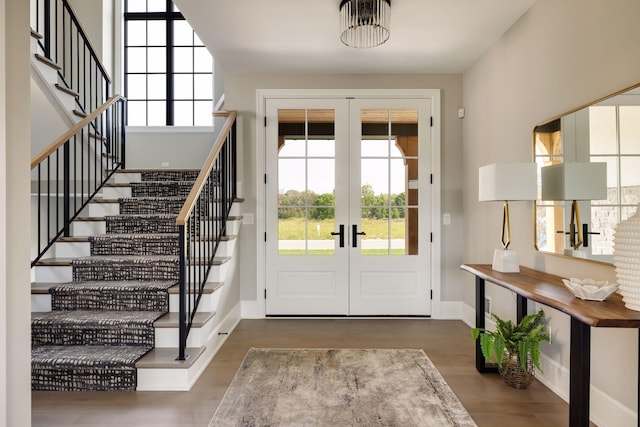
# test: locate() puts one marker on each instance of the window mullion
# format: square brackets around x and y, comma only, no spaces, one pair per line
[169,78]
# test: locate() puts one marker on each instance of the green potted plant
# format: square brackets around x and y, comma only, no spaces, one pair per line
[514,347]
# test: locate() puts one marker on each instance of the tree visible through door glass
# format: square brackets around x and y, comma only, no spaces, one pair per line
[389,182]
[306,182]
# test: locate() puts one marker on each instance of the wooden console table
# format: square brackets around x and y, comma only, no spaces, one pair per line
[549,290]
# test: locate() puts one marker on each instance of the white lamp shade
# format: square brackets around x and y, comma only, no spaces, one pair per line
[507,182]
[574,181]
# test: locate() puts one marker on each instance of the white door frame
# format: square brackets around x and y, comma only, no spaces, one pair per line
[258,310]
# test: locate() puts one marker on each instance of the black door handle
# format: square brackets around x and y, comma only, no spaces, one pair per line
[354,235]
[341,234]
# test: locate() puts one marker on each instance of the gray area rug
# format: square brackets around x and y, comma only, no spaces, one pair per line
[339,387]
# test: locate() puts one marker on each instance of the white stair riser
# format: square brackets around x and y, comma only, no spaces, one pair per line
[72,249]
[40,302]
[49,74]
[235,209]
[69,101]
[218,273]
[233,227]
[208,302]
[204,306]
[33,45]
[116,192]
[198,336]
[127,177]
[103,209]
[56,274]
[88,228]
[226,248]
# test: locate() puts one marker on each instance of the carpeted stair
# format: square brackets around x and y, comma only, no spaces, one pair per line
[101,324]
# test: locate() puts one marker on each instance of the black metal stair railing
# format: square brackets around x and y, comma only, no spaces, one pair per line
[72,169]
[202,223]
[65,42]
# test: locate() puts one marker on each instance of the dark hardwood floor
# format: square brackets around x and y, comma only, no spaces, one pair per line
[447,343]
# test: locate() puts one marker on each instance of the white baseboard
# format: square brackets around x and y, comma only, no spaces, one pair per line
[253,309]
[447,310]
[468,315]
[605,411]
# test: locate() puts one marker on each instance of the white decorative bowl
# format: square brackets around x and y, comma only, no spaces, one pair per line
[589,289]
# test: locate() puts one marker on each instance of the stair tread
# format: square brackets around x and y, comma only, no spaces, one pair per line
[92,317]
[86,356]
[172,320]
[156,170]
[133,236]
[47,61]
[103,201]
[209,288]
[38,288]
[36,35]
[117,284]
[74,239]
[165,358]
[55,262]
[67,91]
[122,258]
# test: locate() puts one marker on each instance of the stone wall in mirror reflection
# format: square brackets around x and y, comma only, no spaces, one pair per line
[607,130]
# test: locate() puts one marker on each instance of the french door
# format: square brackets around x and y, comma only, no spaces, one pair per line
[347,215]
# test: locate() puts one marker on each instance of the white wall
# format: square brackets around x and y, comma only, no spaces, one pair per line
[15,368]
[96,18]
[179,148]
[240,95]
[559,56]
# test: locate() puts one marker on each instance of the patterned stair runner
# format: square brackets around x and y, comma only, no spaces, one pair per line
[101,324]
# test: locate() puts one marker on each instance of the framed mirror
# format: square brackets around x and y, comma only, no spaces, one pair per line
[607,130]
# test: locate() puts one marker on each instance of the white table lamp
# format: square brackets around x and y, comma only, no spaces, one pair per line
[575,181]
[507,182]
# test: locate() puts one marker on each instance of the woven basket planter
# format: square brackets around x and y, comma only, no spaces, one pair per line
[513,374]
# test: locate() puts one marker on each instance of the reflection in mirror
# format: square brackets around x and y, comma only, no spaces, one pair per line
[606,131]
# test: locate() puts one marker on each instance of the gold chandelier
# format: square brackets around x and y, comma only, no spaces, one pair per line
[364,23]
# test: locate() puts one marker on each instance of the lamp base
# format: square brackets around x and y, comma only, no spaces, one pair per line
[505,261]
[576,253]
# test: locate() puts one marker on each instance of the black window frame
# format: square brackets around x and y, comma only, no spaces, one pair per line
[169,16]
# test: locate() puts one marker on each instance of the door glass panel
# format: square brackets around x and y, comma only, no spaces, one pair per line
[306,182]
[389,182]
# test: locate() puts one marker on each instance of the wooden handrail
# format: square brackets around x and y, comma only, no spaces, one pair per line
[189,204]
[74,130]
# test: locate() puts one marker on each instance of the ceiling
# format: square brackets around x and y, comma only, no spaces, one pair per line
[302,36]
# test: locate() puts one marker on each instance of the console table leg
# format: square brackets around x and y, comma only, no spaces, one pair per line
[481,363]
[580,370]
[521,307]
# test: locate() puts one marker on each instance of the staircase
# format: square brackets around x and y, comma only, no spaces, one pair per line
[105,300]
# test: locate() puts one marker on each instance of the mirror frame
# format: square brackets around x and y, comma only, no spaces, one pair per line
[535,202]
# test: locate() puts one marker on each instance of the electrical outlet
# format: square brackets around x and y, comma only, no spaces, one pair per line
[548,331]
[165,164]
[487,306]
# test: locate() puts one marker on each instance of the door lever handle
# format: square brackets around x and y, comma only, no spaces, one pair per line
[341,234]
[354,234]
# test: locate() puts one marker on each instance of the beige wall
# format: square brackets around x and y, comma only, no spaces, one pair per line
[560,55]
[240,92]
[96,18]
[15,368]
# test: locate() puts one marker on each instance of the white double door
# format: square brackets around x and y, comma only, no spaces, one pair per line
[347,215]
